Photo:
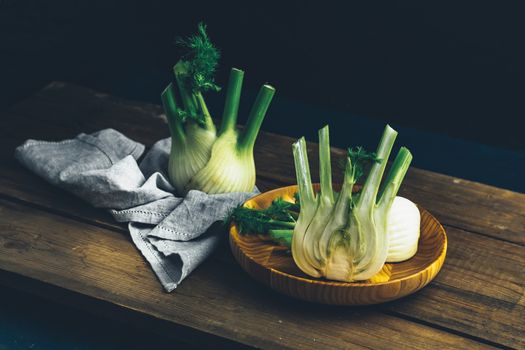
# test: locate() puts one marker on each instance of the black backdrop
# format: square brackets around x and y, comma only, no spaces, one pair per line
[451,67]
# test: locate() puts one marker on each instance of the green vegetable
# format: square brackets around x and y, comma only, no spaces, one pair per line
[282,237]
[360,158]
[277,221]
[201,157]
[345,239]
[402,226]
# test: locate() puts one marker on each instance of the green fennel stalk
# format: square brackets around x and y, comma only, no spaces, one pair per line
[201,157]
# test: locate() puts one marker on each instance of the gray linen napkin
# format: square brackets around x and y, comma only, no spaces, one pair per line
[172,233]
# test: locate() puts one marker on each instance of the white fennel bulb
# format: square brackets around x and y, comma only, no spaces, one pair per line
[403,229]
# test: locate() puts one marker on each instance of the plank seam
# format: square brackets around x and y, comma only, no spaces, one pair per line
[446,329]
[485,235]
[63,214]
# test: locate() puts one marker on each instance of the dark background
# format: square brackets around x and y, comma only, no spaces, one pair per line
[456,67]
[450,76]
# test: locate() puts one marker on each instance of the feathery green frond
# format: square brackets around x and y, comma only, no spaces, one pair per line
[360,158]
[202,58]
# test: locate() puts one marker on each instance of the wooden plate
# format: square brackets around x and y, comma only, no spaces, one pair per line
[274,266]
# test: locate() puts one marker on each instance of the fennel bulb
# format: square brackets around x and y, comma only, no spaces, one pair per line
[345,239]
[201,157]
[403,230]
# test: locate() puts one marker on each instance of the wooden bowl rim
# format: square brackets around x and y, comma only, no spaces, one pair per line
[315,280]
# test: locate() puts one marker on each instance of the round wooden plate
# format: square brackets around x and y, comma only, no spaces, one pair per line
[273,265]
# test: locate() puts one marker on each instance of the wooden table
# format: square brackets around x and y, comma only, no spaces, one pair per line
[54,245]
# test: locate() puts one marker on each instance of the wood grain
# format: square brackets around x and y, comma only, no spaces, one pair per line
[218,301]
[478,294]
[273,266]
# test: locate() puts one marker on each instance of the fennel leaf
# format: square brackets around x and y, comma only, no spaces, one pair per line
[360,159]
[202,58]
[277,221]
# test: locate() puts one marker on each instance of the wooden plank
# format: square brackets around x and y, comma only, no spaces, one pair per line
[482,275]
[498,293]
[180,336]
[104,265]
[480,290]
[464,204]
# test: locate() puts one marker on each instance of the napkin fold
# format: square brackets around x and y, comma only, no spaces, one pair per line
[174,234]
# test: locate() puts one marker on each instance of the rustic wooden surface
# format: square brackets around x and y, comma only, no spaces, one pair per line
[57,246]
[271,265]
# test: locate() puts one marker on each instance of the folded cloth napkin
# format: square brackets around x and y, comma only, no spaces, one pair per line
[173,233]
